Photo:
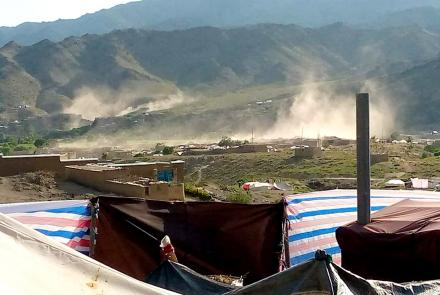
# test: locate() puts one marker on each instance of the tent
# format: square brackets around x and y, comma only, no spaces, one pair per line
[177,277]
[211,238]
[314,218]
[401,243]
[418,183]
[395,183]
[33,263]
[257,186]
[319,276]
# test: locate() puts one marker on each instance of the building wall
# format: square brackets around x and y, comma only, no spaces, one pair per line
[179,168]
[94,178]
[14,165]
[105,180]
[309,152]
[166,192]
[149,170]
[378,158]
[250,148]
[125,189]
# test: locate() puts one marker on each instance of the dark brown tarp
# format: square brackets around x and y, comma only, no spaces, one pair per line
[402,243]
[211,238]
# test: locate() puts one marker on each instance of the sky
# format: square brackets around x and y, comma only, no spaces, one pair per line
[14,12]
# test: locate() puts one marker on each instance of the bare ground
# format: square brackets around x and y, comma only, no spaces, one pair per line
[40,186]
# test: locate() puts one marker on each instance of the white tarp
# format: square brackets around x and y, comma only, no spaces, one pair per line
[257,186]
[419,183]
[395,183]
[32,263]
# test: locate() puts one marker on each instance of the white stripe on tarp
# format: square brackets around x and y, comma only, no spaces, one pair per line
[65,240]
[52,215]
[40,206]
[313,249]
[72,229]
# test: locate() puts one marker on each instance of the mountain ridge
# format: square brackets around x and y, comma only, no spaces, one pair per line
[173,14]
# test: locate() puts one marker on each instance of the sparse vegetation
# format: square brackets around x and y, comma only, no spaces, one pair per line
[239,196]
[19,144]
[197,192]
[227,141]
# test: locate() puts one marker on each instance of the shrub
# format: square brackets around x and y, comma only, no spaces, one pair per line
[240,197]
[425,155]
[197,192]
[5,150]
[24,147]
[227,141]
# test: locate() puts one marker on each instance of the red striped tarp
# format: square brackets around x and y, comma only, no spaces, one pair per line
[65,221]
[314,218]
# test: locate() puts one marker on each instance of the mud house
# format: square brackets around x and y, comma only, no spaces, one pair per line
[336,141]
[307,152]
[249,148]
[157,181]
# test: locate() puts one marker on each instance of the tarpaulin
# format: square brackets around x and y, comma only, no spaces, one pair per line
[209,237]
[401,243]
[179,278]
[67,221]
[314,218]
[32,263]
[321,277]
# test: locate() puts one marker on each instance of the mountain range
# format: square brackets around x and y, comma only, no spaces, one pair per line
[214,71]
[178,15]
[49,74]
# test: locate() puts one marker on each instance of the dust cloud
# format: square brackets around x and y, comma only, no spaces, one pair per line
[160,104]
[323,112]
[97,102]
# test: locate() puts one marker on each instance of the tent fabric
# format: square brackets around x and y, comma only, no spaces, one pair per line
[67,222]
[177,277]
[33,263]
[209,237]
[401,243]
[418,183]
[320,277]
[314,218]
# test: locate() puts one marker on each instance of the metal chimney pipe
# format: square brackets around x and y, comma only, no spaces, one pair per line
[363,157]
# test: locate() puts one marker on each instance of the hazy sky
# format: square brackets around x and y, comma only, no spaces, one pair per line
[14,12]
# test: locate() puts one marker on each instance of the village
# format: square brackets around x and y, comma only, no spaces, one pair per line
[221,147]
[138,201]
[263,172]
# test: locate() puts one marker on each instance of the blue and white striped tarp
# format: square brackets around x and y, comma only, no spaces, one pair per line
[314,218]
[65,221]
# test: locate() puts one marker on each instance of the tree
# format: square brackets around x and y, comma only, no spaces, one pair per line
[168,150]
[395,135]
[39,142]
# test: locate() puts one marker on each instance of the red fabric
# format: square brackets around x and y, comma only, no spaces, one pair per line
[402,243]
[168,249]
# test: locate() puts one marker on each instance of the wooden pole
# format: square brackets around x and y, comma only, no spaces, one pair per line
[363,157]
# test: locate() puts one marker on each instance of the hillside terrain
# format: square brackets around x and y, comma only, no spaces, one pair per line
[177,14]
[172,83]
